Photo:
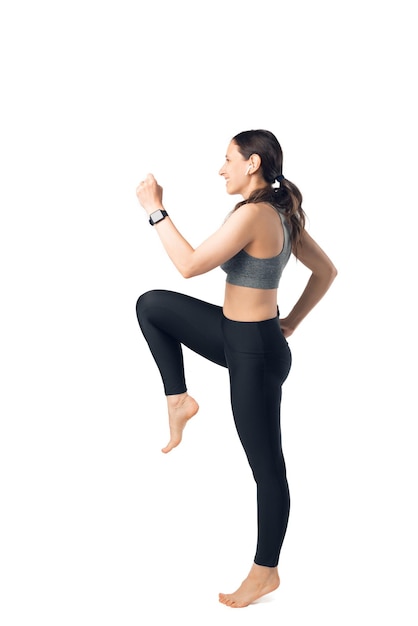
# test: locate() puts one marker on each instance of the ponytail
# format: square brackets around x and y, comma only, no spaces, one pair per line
[289,200]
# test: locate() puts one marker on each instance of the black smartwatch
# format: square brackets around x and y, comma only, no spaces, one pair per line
[157,216]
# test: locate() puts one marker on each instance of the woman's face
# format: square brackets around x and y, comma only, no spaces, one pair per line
[235,171]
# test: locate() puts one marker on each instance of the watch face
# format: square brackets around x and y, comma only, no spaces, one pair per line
[157,216]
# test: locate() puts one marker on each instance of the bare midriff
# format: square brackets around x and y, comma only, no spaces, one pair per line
[246,304]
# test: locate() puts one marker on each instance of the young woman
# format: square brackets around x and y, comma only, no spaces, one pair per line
[245,335]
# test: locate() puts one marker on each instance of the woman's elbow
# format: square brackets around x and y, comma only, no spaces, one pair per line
[192,268]
[332,273]
[326,274]
[188,271]
[185,269]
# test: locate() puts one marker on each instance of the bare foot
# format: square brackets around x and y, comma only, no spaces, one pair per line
[181,408]
[260,581]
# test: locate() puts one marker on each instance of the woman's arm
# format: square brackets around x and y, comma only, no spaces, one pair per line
[233,235]
[323,274]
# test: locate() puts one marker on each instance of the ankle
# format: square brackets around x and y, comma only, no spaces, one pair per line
[263,571]
[176,400]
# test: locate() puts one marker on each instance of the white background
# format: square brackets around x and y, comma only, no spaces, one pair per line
[97,526]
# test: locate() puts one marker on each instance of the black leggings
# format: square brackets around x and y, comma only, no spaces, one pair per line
[258,359]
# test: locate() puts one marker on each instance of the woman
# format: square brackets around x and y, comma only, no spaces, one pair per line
[245,335]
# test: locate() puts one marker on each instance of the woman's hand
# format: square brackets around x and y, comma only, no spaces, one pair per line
[150,194]
[287,328]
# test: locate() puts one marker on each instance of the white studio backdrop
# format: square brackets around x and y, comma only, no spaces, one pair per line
[97,526]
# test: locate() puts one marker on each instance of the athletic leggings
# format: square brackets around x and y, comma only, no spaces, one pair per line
[258,359]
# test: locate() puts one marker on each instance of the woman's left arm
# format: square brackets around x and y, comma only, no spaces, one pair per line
[234,234]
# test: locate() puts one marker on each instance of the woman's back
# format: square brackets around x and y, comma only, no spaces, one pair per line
[253,274]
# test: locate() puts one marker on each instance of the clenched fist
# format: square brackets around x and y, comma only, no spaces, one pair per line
[150,194]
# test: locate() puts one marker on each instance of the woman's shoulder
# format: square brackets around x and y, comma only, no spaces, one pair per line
[253,209]
[247,212]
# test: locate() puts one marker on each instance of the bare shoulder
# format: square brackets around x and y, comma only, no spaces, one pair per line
[249,210]
[254,211]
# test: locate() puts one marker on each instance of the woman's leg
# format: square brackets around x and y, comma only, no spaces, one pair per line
[168,320]
[259,361]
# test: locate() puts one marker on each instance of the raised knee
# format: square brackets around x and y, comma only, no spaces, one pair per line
[146,300]
[141,303]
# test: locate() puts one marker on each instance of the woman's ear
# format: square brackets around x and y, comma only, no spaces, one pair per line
[255,162]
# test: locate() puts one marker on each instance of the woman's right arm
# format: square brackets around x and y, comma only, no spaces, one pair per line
[323,274]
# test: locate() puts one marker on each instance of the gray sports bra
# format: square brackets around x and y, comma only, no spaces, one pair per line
[245,270]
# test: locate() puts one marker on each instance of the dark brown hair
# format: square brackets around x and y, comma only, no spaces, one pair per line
[287,198]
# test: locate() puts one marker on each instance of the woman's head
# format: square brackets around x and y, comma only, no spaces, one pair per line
[261,154]
[264,144]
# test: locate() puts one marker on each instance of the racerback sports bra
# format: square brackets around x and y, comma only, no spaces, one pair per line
[245,270]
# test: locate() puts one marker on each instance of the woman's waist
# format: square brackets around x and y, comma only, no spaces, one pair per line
[246,304]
